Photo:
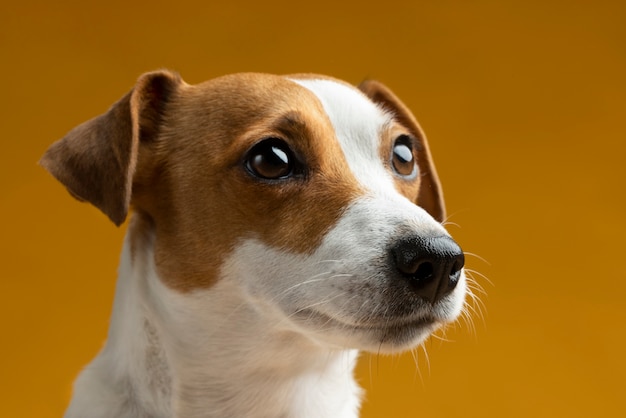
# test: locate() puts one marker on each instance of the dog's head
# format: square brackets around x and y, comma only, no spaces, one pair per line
[320,201]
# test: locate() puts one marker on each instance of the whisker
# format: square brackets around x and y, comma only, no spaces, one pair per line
[475,288]
[426,356]
[480,275]
[418,372]
[313,279]
[477,256]
[304,308]
[477,303]
[327,261]
[450,223]
[469,321]
[441,337]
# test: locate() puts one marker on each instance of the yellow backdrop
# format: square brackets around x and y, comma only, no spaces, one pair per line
[524,103]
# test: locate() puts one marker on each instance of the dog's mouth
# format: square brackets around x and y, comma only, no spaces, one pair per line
[374,334]
[397,324]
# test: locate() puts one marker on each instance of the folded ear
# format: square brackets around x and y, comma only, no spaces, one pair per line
[96,160]
[430,196]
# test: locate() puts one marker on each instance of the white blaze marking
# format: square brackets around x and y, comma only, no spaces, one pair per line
[358,124]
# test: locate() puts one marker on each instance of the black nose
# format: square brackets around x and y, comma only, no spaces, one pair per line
[432,265]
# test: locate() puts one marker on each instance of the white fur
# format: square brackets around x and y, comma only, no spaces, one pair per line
[212,353]
[277,335]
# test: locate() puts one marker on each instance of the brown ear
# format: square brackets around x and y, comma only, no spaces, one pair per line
[430,196]
[96,160]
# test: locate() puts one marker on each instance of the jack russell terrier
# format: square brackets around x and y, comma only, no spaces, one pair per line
[280,225]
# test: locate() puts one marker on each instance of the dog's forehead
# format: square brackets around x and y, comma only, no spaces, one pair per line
[357,120]
[243,91]
[237,104]
[234,103]
[359,125]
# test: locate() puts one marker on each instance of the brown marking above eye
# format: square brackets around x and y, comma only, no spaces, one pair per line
[402,157]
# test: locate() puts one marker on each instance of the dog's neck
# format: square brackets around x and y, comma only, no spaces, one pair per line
[210,353]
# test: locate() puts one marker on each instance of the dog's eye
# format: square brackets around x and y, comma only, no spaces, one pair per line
[270,159]
[402,158]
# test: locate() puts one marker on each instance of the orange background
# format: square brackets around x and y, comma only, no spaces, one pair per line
[524,103]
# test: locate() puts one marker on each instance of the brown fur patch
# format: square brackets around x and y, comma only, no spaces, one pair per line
[96,160]
[193,185]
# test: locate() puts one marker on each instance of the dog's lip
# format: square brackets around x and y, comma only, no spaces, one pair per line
[396,323]
[373,324]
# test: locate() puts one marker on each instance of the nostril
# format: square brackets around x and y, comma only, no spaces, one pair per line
[424,271]
[455,271]
[459,262]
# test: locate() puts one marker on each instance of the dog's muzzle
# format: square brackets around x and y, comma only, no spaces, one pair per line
[432,265]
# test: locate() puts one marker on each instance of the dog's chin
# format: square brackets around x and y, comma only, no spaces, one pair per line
[376,336]
[395,337]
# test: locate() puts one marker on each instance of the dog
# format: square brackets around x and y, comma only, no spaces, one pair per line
[281,224]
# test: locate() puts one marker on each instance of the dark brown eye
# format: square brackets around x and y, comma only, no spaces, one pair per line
[402,157]
[270,159]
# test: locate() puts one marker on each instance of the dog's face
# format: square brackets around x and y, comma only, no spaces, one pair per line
[318,201]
